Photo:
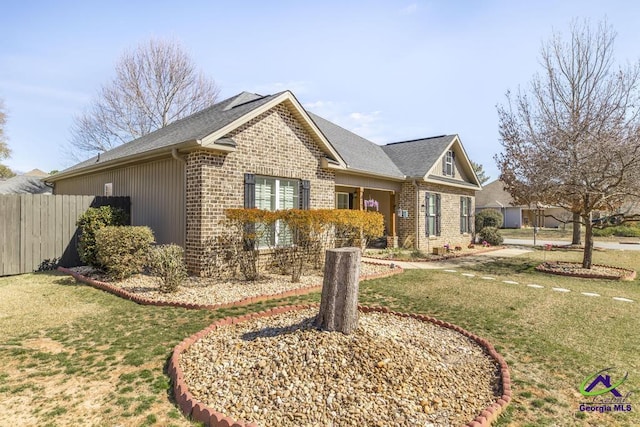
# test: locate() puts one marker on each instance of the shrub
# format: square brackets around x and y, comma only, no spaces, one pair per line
[619,231]
[123,250]
[90,222]
[603,232]
[301,236]
[488,218]
[167,262]
[491,235]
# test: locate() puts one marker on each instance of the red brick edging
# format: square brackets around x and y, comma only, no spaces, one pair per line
[439,257]
[118,291]
[200,412]
[629,274]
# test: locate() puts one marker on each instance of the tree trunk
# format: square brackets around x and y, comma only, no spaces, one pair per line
[575,240]
[588,244]
[339,303]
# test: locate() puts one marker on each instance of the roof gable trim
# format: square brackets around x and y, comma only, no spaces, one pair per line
[210,140]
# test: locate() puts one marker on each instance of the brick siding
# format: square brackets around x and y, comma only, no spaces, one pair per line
[273,144]
[450,215]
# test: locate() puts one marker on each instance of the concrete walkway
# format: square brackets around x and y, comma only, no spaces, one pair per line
[457,262]
[452,265]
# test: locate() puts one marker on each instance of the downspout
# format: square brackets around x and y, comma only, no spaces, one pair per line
[178,157]
[417,223]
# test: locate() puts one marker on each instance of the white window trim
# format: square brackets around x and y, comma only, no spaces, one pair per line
[276,189]
[342,193]
[448,163]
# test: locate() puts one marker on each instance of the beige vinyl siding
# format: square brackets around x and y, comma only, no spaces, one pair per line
[367,182]
[156,190]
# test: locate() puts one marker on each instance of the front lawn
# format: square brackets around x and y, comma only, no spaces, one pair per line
[75,355]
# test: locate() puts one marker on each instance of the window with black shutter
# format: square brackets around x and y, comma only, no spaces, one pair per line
[433,216]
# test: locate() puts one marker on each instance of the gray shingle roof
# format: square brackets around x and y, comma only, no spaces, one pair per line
[415,158]
[358,152]
[24,184]
[193,127]
[493,195]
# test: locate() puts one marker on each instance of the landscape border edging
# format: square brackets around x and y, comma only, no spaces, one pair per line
[118,291]
[198,411]
[630,274]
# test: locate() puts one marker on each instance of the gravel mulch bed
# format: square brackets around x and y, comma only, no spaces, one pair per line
[279,370]
[210,291]
[575,269]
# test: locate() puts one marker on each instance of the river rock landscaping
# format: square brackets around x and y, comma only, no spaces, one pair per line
[210,291]
[280,370]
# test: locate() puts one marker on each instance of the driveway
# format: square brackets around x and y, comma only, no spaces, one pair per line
[601,245]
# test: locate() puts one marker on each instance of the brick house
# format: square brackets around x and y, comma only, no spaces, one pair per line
[269,152]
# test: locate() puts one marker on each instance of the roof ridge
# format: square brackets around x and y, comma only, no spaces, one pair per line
[418,139]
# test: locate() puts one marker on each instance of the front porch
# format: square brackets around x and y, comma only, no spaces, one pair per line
[371,199]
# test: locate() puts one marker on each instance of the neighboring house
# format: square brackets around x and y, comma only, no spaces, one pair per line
[27,183]
[269,152]
[493,196]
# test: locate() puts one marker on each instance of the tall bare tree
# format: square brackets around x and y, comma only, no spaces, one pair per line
[573,139]
[155,84]
[5,151]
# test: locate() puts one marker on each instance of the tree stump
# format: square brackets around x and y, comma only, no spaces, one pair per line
[339,303]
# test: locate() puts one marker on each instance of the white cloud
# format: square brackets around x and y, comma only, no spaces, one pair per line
[409,10]
[368,125]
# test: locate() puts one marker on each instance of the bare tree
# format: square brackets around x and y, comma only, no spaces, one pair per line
[155,84]
[480,173]
[573,140]
[5,151]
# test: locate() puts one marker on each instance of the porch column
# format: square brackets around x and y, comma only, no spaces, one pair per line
[392,239]
[360,198]
[392,216]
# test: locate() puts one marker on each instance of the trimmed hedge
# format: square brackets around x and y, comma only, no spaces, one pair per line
[89,223]
[167,262]
[491,235]
[619,231]
[123,250]
[488,218]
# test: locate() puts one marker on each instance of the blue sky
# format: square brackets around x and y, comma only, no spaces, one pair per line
[387,70]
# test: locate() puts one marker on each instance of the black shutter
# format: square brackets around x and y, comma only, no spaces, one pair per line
[426,216]
[444,164]
[468,214]
[453,164]
[305,196]
[438,224]
[462,219]
[249,191]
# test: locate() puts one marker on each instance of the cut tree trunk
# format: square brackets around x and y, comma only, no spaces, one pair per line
[339,303]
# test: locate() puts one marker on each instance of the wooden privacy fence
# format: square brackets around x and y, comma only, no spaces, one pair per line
[35,228]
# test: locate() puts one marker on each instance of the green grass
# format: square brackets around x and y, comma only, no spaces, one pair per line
[74,354]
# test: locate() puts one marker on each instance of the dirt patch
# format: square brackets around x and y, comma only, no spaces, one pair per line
[574,269]
[44,344]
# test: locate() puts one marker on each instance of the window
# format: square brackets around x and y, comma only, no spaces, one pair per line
[432,208]
[342,201]
[108,189]
[465,214]
[448,164]
[276,194]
